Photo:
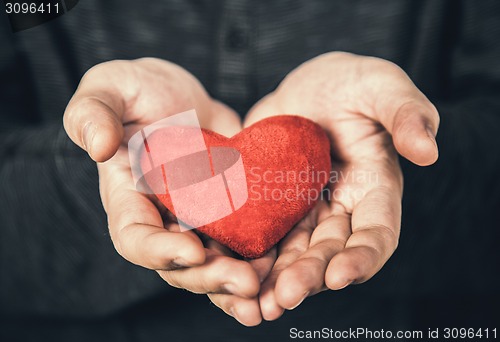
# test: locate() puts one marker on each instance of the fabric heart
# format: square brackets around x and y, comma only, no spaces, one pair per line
[286,163]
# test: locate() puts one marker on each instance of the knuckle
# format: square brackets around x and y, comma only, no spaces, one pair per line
[383,239]
[389,239]
[335,55]
[379,65]
[126,250]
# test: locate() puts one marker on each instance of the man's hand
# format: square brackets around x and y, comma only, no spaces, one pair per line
[113,101]
[370,109]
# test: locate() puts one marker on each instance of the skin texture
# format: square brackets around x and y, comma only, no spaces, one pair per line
[371,111]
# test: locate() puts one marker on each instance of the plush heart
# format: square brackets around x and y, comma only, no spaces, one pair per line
[285,162]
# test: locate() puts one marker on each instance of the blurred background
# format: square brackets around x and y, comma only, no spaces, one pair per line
[60,277]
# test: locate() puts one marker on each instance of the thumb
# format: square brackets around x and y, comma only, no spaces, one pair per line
[413,132]
[94,126]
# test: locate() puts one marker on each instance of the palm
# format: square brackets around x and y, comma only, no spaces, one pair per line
[364,160]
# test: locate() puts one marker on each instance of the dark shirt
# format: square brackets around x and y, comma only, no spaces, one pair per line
[58,270]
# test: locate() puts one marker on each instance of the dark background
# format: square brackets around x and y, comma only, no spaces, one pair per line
[60,278]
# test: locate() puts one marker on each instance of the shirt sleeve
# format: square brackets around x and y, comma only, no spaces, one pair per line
[451,208]
[56,256]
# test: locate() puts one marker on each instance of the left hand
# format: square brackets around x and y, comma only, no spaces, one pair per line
[370,109]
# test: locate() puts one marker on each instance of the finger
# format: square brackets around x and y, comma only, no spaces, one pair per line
[375,233]
[137,231]
[264,264]
[92,118]
[244,310]
[265,107]
[306,275]
[414,130]
[136,226]
[224,120]
[393,100]
[219,274]
[93,126]
[290,248]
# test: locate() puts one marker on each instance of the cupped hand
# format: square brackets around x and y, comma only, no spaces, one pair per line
[371,110]
[113,101]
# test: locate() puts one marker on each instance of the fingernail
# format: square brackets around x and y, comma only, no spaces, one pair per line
[233,313]
[88,136]
[301,300]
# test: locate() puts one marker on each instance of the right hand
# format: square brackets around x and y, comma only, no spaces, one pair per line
[113,101]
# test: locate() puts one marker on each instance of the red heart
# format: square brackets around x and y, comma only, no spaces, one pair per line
[287,163]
